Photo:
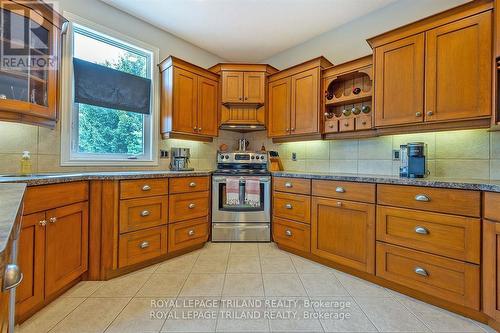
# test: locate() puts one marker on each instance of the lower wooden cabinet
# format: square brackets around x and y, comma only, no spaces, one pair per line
[452,280]
[142,245]
[188,206]
[186,234]
[491,269]
[344,232]
[292,234]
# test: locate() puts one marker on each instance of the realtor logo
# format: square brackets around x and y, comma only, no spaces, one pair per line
[26,37]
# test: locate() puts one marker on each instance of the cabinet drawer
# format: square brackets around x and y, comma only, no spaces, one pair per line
[185,234]
[364,123]
[292,185]
[331,126]
[346,125]
[448,279]
[143,188]
[40,198]
[344,190]
[188,206]
[142,213]
[446,235]
[292,206]
[292,234]
[460,202]
[491,204]
[142,245]
[189,184]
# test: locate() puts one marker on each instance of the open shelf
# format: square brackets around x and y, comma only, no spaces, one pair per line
[21,75]
[351,99]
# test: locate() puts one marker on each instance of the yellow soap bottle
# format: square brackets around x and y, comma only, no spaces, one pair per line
[26,163]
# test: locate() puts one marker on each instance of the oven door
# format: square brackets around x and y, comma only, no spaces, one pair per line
[224,212]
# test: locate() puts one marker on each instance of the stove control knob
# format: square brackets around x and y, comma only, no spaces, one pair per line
[227,157]
[253,157]
[257,157]
[262,157]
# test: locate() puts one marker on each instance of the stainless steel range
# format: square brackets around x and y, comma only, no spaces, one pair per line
[241,198]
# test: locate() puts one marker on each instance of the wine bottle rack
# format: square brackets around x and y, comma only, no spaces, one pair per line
[348,97]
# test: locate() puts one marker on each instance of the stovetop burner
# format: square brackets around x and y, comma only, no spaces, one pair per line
[242,172]
[242,163]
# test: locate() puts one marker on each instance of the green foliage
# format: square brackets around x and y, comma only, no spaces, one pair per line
[110,131]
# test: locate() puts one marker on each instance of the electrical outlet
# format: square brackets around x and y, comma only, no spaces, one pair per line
[294,156]
[163,153]
[395,155]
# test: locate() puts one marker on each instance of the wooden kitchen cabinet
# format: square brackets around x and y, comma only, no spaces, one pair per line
[232,87]
[243,87]
[491,268]
[189,96]
[344,232]
[294,100]
[436,73]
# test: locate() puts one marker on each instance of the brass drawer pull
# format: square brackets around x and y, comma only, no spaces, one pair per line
[144,245]
[288,206]
[288,185]
[191,205]
[53,219]
[421,271]
[421,230]
[145,213]
[191,232]
[339,203]
[422,197]
[192,184]
[42,223]
[146,188]
[340,189]
[288,233]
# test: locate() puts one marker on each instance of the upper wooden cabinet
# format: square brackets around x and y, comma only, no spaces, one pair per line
[437,70]
[188,101]
[28,93]
[295,99]
[243,95]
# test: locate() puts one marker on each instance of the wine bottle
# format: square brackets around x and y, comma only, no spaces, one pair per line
[355,110]
[366,109]
[356,91]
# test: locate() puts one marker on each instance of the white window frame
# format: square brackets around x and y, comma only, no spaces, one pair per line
[68,109]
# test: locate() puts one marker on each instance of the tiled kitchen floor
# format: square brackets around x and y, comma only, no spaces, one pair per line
[240,287]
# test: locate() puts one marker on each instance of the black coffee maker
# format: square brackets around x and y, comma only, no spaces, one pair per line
[413,161]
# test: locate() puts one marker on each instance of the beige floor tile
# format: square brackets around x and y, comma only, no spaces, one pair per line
[143,315]
[182,264]
[277,265]
[271,250]
[203,285]
[438,320]
[307,266]
[216,249]
[283,285]
[186,317]
[83,289]
[49,316]
[244,249]
[341,314]
[359,287]
[388,315]
[243,264]
[210,264]
[322,284]
[297,316]
[242,316]
[162,285]
[123,286]
[485,327]
[93,315]
[243,285]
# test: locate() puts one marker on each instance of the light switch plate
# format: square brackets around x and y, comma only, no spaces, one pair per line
[294,156]
[163,153]
[395,155]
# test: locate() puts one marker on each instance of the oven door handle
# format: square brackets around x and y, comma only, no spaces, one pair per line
[224,179]
[232,226]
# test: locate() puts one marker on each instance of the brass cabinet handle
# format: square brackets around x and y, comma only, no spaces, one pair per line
[430,113]
[421,271]
[144,245]
[339,203]
[363,122]
[191,232]
[42,223]
[195,128]
[53,219]
[331,126]
[288,206]
[421,230]
[293,129]
[288,185]
[246,98]
[145,213]
[422,197]
[288,233]
[340,189]
[199,129]
[418,114]
[241,98]
[191,205]
[192,184]
[146,188]
[346,124]
[12,276]
[287,130]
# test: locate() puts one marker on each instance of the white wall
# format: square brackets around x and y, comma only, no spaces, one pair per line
[348,41]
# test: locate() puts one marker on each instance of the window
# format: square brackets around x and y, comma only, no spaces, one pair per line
[99,135]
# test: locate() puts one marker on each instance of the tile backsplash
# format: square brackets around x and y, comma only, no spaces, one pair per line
[457,154]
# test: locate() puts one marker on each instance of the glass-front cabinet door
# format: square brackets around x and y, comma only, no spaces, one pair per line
[29,65]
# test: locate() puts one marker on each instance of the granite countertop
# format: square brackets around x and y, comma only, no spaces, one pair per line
[54,178]
[11,198]
[464,184]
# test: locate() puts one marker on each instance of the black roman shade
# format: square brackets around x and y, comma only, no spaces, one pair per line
[106,87]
